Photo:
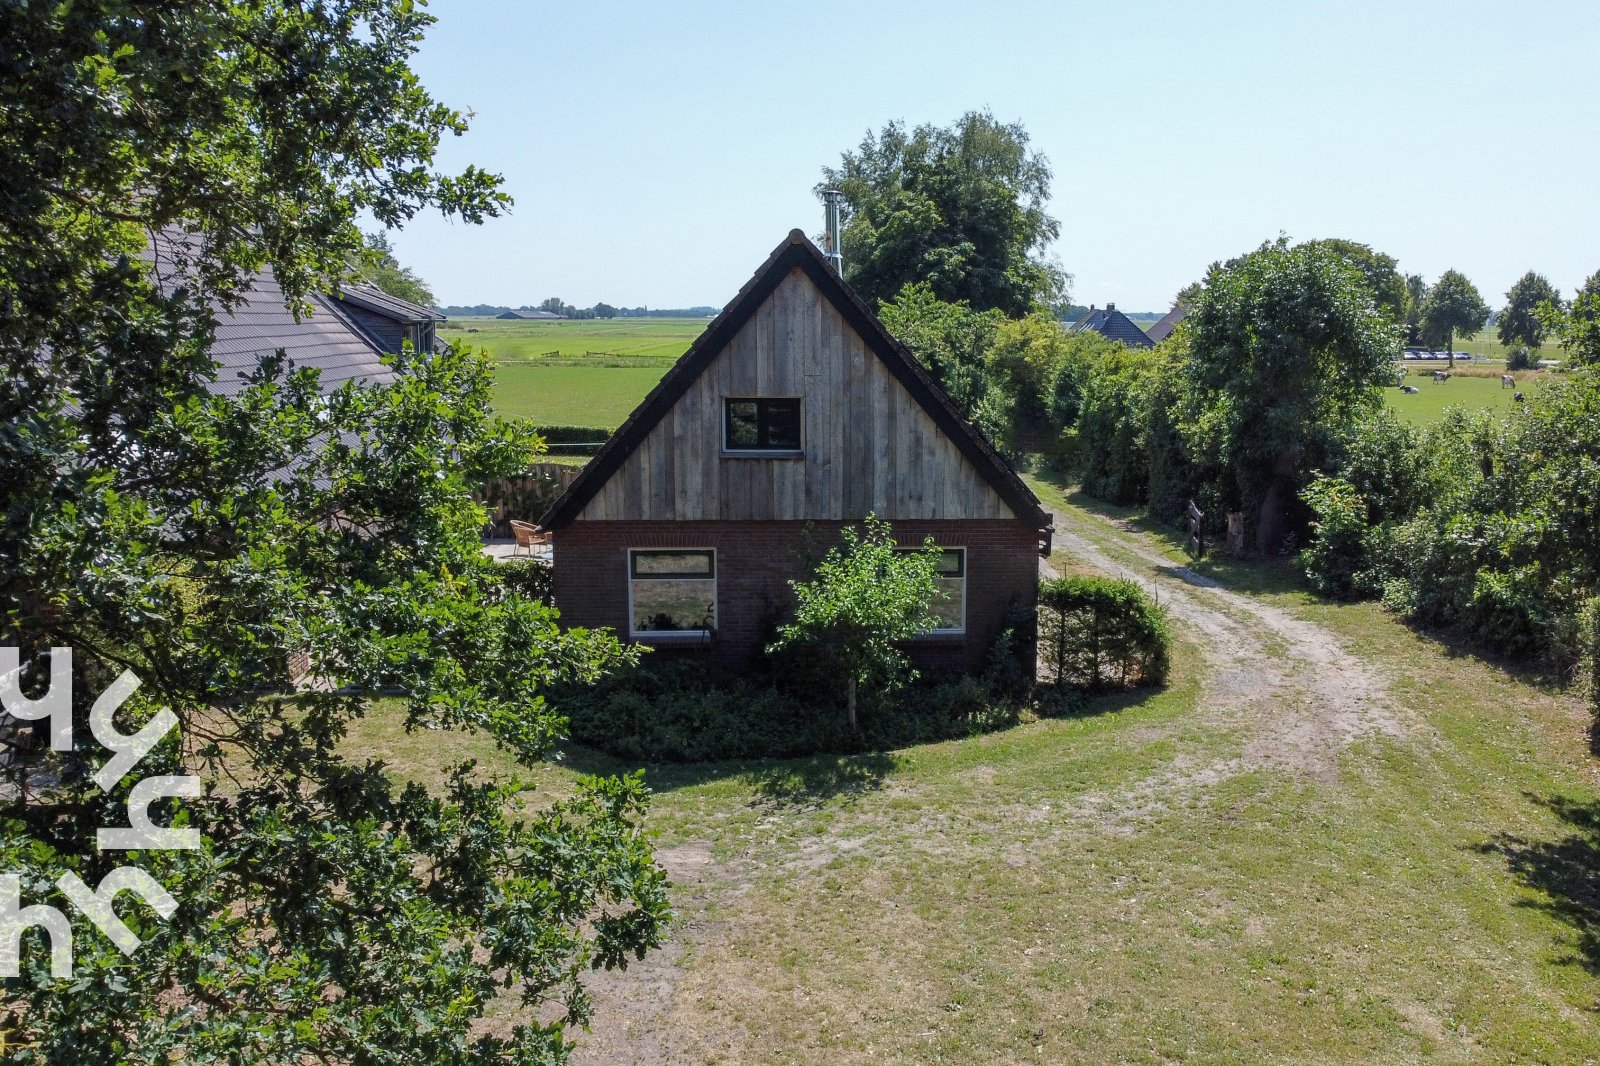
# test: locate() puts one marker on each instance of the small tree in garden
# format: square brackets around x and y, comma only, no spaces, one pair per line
[869,594]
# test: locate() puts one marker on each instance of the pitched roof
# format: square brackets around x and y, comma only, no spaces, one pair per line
[1111,323]
[529,314]
[1166,324]
[262,323]
[796,251]
[375,299]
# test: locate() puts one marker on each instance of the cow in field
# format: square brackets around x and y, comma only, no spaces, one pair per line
[1441,375]
[1507,381]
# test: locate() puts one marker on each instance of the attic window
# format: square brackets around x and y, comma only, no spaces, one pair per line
[761,425]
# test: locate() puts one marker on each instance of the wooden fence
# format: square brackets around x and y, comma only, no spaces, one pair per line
[525,498]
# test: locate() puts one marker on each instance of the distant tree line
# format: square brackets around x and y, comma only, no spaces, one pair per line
[556,306]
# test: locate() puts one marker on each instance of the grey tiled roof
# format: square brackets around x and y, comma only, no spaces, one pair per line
[1166,324]
[370,296]
[1111,323]
[261,324]
[324,340]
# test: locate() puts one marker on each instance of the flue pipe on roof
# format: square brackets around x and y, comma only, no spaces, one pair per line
[831,201]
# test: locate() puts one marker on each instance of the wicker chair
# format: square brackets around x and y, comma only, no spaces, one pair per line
[528,536]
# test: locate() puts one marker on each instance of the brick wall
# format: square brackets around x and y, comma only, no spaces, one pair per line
[755,562]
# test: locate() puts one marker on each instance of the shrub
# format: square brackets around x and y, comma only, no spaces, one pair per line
[529,578]
[1522,358]
[1097,632]
[1335,562]
[683,711]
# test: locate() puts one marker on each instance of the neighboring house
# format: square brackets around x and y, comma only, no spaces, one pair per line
[389,321]
[1109,322]
[1166,324]
[535,315]
[794,414]
[344,337]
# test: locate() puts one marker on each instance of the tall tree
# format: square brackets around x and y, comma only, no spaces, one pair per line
[1576,326]
[379,267]
[203,538]
[1416,297]
[1388,287]
[1519,322]
[1453,306]
[1284,344]
[960,208]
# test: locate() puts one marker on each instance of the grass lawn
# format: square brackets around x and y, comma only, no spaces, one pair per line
[1429,403]
[572,395]
[582,339]
[1127,885]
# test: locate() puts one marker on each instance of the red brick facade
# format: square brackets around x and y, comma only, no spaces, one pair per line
[756,561]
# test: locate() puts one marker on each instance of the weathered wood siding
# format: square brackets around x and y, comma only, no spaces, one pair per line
[868,445]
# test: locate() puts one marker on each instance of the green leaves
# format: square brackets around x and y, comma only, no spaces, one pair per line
[958,208]
[868,596]
[209,538]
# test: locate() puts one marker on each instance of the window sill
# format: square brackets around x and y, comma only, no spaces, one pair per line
[730,453]
[672,636]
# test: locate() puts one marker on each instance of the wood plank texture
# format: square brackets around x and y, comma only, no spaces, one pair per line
[868,445]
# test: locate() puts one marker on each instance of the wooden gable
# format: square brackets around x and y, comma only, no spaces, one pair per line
[877,434]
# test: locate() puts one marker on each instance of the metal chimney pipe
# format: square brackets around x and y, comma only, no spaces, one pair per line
[832,200]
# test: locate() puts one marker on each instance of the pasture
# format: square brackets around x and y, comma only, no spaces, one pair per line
[576,373]
[1432,398]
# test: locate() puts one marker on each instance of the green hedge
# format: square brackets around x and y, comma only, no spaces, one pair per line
[1097,633]
[685,711]
[573,434]
[529,578]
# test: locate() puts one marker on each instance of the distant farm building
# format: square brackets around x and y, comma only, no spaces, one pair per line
[794,414]
[1113,324]
[1166,324]
[538,316]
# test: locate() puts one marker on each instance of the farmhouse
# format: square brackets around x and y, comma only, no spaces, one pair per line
[794,414]
[1111,323]
[344,337]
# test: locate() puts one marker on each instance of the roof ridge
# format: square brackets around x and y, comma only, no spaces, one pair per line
[969,440]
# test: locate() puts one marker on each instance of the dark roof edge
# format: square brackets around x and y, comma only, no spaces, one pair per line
[796,251]
[363,294]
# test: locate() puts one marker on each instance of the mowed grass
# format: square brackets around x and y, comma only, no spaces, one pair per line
[981,901]
[572,395]
[581,339]
[576,373]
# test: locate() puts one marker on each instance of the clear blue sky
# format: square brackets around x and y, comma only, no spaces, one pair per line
[657,152]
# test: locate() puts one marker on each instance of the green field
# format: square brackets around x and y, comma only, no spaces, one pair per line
[576,373]
[1433,398]
[586,342]
[573,395]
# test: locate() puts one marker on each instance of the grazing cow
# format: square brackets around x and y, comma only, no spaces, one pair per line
[1441,375]
[1507,381]
[1517,397]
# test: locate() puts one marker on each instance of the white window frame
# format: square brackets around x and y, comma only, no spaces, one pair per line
[729,450]
[965,559]
[673,634]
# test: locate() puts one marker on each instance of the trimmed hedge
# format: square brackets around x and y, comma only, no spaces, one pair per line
[1097,633]
[573,434]
[529,578]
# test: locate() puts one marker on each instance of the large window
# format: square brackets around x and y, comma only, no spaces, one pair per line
[949,604]
[672,592]
[766,425]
